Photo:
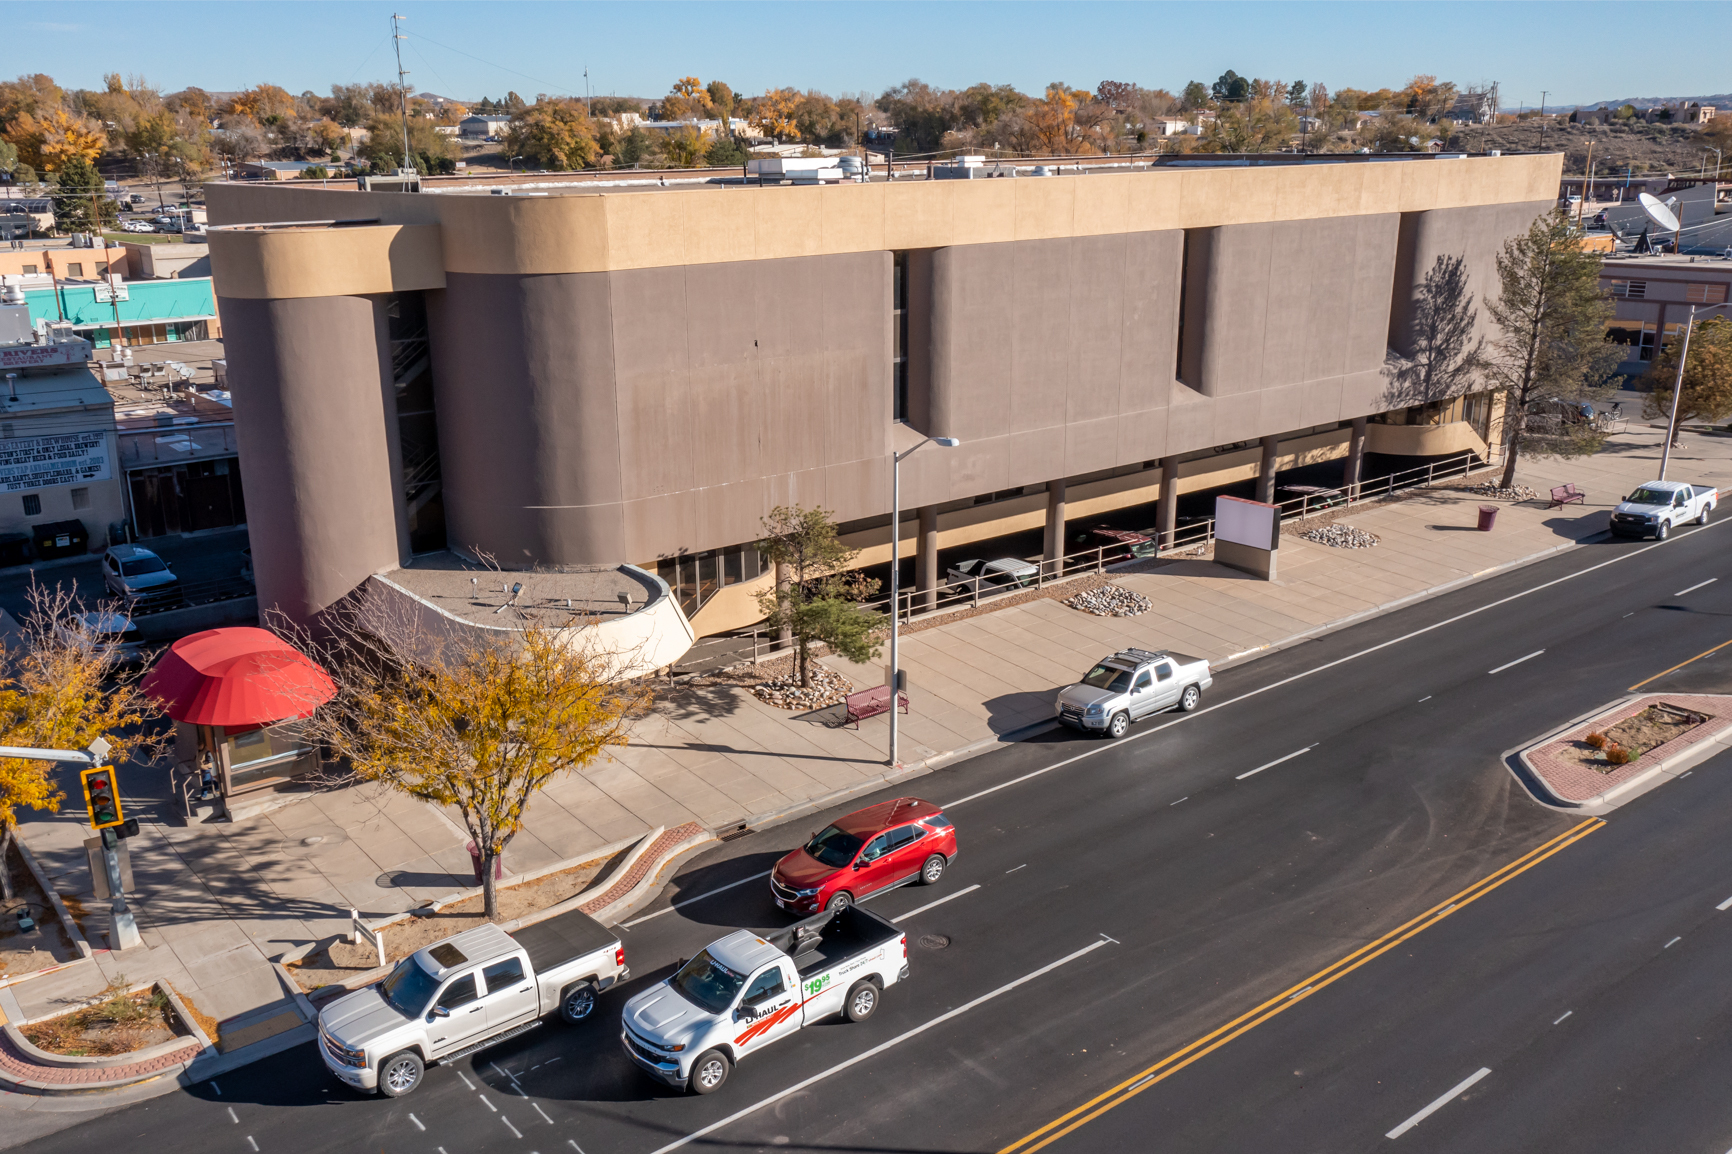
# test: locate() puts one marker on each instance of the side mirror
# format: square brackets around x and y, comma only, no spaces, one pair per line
[439,1012]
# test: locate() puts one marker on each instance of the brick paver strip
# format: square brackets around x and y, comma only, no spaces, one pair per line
[18,1068]
[1573,782]
[648,860]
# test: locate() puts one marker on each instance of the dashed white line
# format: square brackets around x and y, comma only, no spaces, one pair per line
[466,1080]
[488,1104]
[418,1124]
[1423,700]
[232,1117]
[251,1143]
[1515,663]
[939,902]
[698,898]
[1698,585]
[1456,1092]
[502,1073]
[217,1088]
[1273,764]
[572,1142]
[1725,905]
[1023,866]
[1567,1013]
[514,1130]
[1671,943]
[543,1114]
[1171,804]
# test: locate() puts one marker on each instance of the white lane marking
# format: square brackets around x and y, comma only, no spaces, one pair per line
[502,1073]
[1023,866]
[1698,585]
[466,1080]
[418,1124]
[1671,943]
[880,1048]
[572,1142]
[1171,804]
[939,902]
[251,1143]
[1685,774]
[1725,905]
[217,1088]
[518,1090]
[1460,1089]
[1567,1013]
[514,1130]
[1424,699]
[488,1104]
[232,1117]
[1515,663]
[543,1114]
[698,898]
[1632,613]
[1274,763]
[1328,665]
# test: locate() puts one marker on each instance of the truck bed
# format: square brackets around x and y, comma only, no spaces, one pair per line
[560,939]
[829,938]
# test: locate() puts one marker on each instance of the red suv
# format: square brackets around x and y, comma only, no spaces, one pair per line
[890,844]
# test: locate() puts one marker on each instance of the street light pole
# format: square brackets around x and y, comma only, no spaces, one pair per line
[896,459]
[1678,389]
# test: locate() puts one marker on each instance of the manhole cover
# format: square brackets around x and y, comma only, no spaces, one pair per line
[933,941]
[388,881]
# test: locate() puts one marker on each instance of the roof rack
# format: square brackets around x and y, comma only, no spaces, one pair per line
[1139,655]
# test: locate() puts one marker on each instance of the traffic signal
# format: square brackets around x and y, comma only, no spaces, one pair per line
[102,796]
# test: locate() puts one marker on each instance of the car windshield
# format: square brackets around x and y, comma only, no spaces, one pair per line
[833,847]
[707,983]
[409,988]
[1646,496]
[1108,677]
[139,566]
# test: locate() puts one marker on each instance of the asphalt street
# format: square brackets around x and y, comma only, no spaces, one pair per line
[1294,878]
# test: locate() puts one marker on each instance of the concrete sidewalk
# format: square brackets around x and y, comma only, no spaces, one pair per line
[217,902]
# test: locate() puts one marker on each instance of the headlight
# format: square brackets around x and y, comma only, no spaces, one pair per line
[807,893]
[670,1049]
[1096,710]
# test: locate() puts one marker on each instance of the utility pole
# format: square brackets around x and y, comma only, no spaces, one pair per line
[1543,95]
[397,39]
[588,105]
[1587,182]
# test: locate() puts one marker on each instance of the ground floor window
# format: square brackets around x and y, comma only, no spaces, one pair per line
[187,498]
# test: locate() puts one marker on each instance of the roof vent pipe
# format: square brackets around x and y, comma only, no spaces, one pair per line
[12,386]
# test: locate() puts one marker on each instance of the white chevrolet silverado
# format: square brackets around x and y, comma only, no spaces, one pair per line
[468,992]
[744,992]
[1658,507]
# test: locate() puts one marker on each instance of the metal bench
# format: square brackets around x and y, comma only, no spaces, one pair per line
[870,703]
[1567,495]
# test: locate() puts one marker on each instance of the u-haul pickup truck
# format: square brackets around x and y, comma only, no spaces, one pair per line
[744,992]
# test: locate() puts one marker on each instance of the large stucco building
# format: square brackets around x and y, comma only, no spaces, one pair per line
[588,373]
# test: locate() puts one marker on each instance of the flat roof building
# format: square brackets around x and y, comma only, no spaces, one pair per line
[596,372]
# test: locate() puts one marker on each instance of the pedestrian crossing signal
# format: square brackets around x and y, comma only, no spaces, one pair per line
[102,796]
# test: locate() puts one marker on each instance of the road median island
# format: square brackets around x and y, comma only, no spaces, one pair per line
[1576,767]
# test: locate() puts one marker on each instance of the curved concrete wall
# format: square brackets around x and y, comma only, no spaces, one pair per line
[312,413]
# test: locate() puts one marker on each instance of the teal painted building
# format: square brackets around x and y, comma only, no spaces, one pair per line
[154,311]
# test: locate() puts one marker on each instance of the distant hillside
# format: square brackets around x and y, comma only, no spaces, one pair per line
[1642,103]
[1639,147]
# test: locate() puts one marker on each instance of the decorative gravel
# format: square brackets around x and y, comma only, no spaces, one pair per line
[1110,601]
[828,688]
[1341,536]
[1498,492]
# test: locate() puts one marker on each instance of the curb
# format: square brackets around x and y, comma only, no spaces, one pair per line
[1668,769]
[190,1046]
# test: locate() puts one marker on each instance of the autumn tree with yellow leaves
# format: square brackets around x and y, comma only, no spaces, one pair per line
[556,133]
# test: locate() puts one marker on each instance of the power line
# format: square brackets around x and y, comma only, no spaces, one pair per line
[501,67]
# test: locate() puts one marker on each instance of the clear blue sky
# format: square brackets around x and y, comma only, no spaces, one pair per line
[1579,52]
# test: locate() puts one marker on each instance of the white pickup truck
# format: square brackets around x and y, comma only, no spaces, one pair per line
[468,992]
[1658,507]
[744,992]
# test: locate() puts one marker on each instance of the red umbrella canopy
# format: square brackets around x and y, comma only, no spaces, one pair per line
[235,677]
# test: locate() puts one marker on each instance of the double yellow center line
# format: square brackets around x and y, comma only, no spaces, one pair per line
[1292,996]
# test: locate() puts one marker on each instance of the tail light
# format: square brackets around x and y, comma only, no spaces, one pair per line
[904,947]
[619,955]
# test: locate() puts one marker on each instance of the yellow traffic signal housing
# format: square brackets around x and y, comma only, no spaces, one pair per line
[102,796]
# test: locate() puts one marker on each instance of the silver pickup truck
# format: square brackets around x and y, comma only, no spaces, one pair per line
[468,992]
[1131,684]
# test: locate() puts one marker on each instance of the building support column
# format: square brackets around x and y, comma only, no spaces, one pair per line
[1055,528]
[1355,460]
[926,559]
[1167,511]
[1266,470]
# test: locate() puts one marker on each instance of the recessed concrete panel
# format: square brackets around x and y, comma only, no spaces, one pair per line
[1476,234]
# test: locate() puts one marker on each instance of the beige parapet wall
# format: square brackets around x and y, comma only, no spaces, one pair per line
[608,230]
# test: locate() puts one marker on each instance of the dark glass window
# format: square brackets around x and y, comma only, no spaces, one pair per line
[32,505]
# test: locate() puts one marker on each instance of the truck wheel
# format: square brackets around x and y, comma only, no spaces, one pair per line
[709,1072]
[1702,517]
[862,1000]
[400,1073]
[1663,530]
[577,1003]
[932,870]
[1119,725]
[1191,698]
[840,902]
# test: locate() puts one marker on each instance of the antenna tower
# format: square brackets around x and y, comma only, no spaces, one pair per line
[397,39]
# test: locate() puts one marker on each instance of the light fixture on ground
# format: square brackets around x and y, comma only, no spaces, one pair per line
[895,574]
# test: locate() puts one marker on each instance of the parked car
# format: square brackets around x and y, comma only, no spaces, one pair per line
[992,576]
[745,991]
[1129,685]
[167,226]
[140,578]
[470,991]
[113,632]
[135,198]
[1658,507]
[137,226]
[873,849]
[1122,544]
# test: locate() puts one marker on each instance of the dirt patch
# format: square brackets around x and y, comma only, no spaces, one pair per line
[343,959]
[208,1024]
[1647,730]
[44,945]
[119,1024]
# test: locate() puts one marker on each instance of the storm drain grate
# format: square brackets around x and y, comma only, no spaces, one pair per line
[933,941]
[735,834]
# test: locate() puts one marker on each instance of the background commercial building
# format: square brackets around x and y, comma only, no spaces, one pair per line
[586,376]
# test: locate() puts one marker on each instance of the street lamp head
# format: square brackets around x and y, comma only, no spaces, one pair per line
[946,442]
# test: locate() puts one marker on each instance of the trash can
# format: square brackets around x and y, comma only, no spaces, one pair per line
[1487,518]
[475,864]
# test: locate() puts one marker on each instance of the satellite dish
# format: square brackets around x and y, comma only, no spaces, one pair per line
[1659,213]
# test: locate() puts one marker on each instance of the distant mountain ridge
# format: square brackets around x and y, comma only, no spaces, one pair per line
[1643,103]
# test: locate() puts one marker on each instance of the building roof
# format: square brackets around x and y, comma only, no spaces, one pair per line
[1669,262]
[55,392]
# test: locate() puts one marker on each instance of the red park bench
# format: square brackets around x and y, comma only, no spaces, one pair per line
[870,703]
[1566,495]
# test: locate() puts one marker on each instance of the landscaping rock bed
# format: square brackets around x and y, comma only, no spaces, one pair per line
[1499,493]
[785,692]
[1341,536]
[1110,601]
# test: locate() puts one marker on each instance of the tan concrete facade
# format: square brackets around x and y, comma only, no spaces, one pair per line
[636,374]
